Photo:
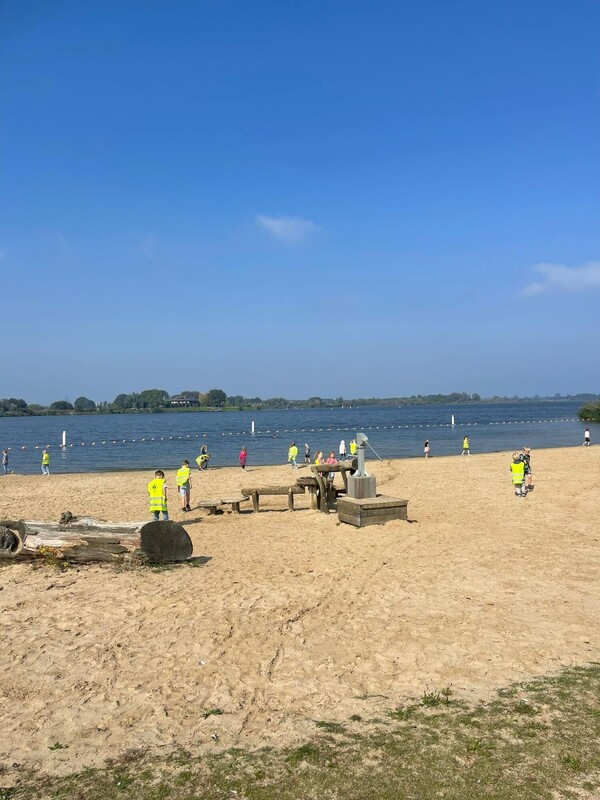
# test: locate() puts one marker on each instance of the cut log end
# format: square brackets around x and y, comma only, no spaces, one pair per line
[165,541]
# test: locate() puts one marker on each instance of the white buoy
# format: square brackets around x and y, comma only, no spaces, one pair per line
[64,439]
[452,420]
[252,426]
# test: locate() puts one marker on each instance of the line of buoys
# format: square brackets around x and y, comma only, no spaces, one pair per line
[276,432]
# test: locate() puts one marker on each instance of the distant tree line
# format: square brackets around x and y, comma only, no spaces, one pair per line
[159,400]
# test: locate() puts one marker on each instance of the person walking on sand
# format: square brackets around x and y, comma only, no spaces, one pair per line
[426,448]
[293,455]
[45,462]
[306,453]
[157,489]
[243,457]
[586,438]
[353,448]
[342,450]
[184,485]
[466,446]
[526,456]
[517,469]
[5,461]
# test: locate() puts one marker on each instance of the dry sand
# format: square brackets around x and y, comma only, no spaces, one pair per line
[295,617]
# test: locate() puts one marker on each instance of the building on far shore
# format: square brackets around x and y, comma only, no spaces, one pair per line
[182,400]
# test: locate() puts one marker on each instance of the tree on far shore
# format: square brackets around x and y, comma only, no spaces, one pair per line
[590,412]
[84,404]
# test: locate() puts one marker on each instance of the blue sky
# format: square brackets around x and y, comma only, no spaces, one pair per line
[299,198]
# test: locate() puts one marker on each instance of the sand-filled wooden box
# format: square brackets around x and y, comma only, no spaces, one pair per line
[371,510]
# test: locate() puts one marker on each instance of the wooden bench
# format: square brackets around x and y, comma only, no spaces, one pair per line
[211,505]
[256,491]
[234,502]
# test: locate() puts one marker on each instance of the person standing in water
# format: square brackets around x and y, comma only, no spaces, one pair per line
[426,448]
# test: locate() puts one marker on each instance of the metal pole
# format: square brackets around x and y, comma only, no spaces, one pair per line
[252,426]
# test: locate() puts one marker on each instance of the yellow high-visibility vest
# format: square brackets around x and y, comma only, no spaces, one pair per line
[158,500]
[292,453]
[45,459]
[518,472]
[183,476]
[466,443]
[353,448]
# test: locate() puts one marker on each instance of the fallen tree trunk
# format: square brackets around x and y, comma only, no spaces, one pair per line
[91,540]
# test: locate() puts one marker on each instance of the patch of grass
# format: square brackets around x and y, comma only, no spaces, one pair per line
[431,699]
[212,712]
[57,746]
[330,727]
[542,747]
[525,708]
[308,752]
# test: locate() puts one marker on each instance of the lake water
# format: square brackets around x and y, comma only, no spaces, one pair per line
[153,441]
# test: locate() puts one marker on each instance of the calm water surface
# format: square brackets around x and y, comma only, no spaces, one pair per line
[114,441]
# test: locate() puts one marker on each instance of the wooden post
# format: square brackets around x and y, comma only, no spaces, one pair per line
[290,500]
[255,501]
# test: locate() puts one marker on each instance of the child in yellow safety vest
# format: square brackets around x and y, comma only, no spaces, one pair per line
[353,447]
[157,490]
[517,469]
[293,454]
[184,485]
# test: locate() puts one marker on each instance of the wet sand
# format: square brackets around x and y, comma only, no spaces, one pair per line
[294,617]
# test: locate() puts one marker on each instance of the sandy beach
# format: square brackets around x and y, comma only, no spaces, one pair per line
[294,617]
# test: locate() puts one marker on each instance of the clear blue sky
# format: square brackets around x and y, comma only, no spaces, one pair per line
[299,198]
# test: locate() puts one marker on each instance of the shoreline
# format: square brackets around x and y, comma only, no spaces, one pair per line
[301,465]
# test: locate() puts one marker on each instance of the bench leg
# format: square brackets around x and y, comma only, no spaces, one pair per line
[235,507]
[312,491]
[255,501]
[290,501]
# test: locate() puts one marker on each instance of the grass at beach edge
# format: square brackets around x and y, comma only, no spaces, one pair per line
[538,739]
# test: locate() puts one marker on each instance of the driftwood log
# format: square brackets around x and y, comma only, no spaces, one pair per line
[87,540]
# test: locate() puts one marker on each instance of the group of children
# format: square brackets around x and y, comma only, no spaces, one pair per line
[157,488]
[320,458]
